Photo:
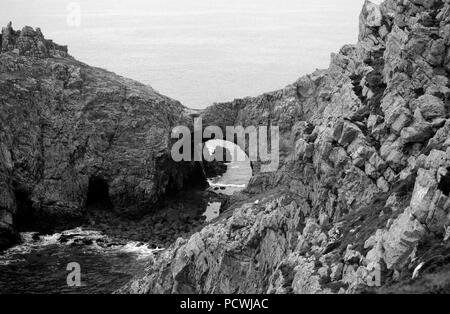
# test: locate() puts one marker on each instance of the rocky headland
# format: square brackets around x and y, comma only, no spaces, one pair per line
[360,202]
[68,131]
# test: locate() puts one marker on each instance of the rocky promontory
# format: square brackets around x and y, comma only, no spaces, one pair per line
[68,130]
[360,202]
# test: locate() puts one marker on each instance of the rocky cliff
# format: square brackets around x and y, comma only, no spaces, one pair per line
[68,130]
[361,199]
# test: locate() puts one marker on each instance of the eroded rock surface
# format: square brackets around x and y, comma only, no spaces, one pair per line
[364,177]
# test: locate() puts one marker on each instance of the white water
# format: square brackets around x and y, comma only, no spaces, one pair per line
[73,236]
[235,179]
[212,184]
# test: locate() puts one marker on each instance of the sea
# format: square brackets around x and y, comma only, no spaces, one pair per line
[197,51]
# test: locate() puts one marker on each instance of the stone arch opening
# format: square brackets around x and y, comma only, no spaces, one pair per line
[238,171]
[234,178]
[98,193]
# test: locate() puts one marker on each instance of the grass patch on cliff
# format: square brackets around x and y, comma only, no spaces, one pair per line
[434,276]
[363,223]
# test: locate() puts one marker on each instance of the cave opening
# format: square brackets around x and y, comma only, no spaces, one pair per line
[195,179]
[24,218]
[98,194]
[444,184]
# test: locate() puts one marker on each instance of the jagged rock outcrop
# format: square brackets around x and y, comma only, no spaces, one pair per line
[29,42]
[364,176]
[66,127]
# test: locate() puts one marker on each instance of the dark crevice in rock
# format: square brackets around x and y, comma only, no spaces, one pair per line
[444,184]
[357,88]
[373,142]
[447,95]
[412,148]
[24,219]
[419,92]
[375,82]
[197,178]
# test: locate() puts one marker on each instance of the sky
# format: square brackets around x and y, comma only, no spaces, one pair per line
[197,51]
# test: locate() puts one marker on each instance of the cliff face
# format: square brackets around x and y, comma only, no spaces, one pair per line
[362,194]
[67,128]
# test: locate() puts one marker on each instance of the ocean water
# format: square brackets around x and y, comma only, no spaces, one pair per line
[234,180]
[197,51]
[39,265]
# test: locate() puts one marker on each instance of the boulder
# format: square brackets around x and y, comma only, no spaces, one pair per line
[351,256]
[422,197]
[382,184]
[336,272]
[431,107]
[437,53]
[401,239]
[403,120]
[349,133]
[416,133]
[371,14]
